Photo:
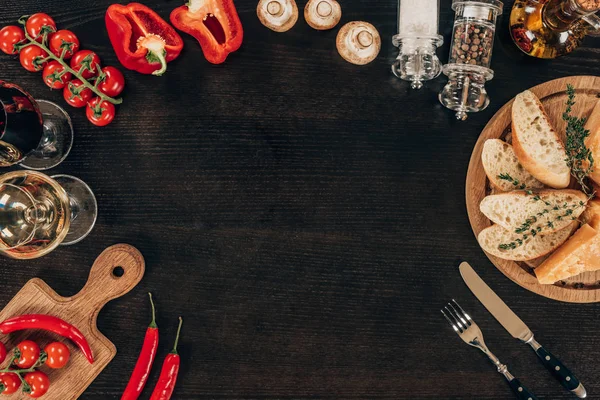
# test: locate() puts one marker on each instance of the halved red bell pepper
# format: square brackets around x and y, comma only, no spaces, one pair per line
[214,23]
[143,41]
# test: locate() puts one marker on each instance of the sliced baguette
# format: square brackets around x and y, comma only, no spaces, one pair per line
[592,142]
[498,158]
[510,210]
[535,246]
[537,145]
[581,253]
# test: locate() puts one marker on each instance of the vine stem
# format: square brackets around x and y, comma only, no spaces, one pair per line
[66,66]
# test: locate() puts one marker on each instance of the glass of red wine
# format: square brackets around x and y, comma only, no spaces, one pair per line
[36,134]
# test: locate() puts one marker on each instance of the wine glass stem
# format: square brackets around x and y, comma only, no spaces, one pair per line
[41,213]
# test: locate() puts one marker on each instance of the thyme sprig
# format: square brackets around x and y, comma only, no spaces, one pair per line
[515,182]
[528,228]
[579,157]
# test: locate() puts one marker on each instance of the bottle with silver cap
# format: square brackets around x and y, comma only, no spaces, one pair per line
[417,40]
[468,67]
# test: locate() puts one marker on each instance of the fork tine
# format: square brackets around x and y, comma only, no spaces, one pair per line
[456,320]
[463,311]
[451,323]
[459,314]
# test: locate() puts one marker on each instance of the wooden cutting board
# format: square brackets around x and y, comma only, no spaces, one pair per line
[584,288]
[80,310]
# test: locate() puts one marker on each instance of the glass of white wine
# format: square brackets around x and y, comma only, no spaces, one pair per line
[38,213]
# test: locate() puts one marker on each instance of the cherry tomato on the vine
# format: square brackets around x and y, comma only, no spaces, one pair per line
[86,60]
[54,76]
[38,382]
[76,94]
[9,36]
[63,39]
[58,355]
[100,112]
[28,352]
[10,382]
[113,83]
[31,57]
[38,24]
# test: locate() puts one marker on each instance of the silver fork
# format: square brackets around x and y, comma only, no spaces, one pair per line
[470,333]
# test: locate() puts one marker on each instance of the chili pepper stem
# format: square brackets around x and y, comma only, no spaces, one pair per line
[174,351]
[52,56]
[194,5]
[153,322]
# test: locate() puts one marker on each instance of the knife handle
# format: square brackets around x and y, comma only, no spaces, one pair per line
[520,391]
[558,370]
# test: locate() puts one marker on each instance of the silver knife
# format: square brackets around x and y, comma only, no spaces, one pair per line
[517,328]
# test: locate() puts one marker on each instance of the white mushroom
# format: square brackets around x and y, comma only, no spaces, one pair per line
[358,42]
[322,14]
[277,15]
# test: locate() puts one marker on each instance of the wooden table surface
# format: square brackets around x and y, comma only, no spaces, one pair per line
[306,216]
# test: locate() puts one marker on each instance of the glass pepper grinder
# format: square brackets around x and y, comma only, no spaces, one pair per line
[468,67]
[417,40]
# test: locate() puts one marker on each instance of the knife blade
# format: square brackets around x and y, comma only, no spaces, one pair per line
[517,328]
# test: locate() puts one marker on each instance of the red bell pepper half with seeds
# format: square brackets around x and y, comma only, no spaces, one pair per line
[143,41]
[214,23]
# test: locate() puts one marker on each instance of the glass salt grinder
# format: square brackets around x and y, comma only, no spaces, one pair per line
[468,67]
[417,41]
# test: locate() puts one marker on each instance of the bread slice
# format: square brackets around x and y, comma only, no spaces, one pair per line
[581,253]
[549,210]
[593,141]
[537,145]
[498,158]
[491,238]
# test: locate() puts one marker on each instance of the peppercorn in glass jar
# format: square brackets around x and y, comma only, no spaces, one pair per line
[471,47]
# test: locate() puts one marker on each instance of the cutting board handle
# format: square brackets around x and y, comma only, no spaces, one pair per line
[115,272]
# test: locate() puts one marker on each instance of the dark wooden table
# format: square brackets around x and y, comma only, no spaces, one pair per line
[306,216]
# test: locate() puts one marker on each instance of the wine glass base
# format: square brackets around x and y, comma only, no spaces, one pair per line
[84,208]
[57,139]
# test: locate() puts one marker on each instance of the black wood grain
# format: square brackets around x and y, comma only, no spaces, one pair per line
[305,216]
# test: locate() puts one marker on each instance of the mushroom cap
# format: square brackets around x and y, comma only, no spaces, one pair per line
[358,42]
[277,15]
[322,14]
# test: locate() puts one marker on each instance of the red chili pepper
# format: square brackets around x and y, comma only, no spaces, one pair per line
[143,41]
[214,23]
[140,374]
[168,375]
[51,324]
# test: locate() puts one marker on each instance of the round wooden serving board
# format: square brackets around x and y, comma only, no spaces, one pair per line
[584,288]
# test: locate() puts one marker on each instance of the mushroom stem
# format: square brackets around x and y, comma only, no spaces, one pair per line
[364,39]
[324,9]
[275,8]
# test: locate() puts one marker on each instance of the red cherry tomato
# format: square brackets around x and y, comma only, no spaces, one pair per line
[28,352]
[38,24]
[10,381]
[9,36]
[113,83]
[30,57]
[58,355]
[38,382]
[53,75]
[76,95]
[88,60]
[100,112]
[63,39]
